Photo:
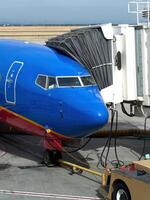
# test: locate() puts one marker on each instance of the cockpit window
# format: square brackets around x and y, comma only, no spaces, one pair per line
[68,82]
[46,82]
[88,80]
[41,81]
[51,82]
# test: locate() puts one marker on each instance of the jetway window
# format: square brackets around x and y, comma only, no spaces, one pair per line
[88,80]
[69,82]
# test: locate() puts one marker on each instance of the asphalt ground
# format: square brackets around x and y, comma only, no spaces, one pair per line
[22,176]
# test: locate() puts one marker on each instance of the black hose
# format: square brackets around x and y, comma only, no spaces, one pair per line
[118,161]
[125,112]
[114,113]
[107,144]
[144,140]
[81,147]
[110,136]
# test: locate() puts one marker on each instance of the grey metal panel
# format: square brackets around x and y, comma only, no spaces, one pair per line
[139,70]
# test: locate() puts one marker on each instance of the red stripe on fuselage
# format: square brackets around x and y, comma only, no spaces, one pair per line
[19,122]
[24,124]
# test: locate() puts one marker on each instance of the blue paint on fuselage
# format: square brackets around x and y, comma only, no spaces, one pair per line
[75,112]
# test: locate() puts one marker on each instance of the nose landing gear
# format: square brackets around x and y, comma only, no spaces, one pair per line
[51,157]
[53,148]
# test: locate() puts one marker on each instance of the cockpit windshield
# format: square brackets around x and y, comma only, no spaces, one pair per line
[68,81]
[49,82]
[88,80]
[46,82]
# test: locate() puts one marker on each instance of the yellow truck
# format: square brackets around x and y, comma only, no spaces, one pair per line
[128,183]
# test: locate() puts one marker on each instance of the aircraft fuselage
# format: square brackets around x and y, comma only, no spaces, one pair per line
[40,88]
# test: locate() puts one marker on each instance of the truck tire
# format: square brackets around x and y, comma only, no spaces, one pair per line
[121,192]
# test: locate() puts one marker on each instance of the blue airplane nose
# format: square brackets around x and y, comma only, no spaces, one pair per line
[92,119]
[84,115]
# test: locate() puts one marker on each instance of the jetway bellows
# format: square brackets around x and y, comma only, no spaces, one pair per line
[89,47]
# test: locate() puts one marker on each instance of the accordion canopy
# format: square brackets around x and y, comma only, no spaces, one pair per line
[90,48]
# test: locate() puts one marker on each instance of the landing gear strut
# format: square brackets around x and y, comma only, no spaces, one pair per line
[51,157]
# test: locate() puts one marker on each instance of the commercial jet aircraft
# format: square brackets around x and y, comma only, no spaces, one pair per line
[47,93]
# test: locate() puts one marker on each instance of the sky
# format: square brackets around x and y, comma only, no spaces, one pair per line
[65,12]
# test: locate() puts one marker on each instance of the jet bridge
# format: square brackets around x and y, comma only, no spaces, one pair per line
[100,48]
[116,56]
[92,47]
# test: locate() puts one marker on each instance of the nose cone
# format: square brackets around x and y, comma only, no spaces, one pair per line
[91,119]
[85,114]
[98,118]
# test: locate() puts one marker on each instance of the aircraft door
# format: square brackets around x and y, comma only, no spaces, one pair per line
[11,80]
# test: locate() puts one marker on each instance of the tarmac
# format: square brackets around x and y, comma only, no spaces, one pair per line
[22,176]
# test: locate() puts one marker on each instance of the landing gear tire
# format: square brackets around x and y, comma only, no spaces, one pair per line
[121,192]
[51,158]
